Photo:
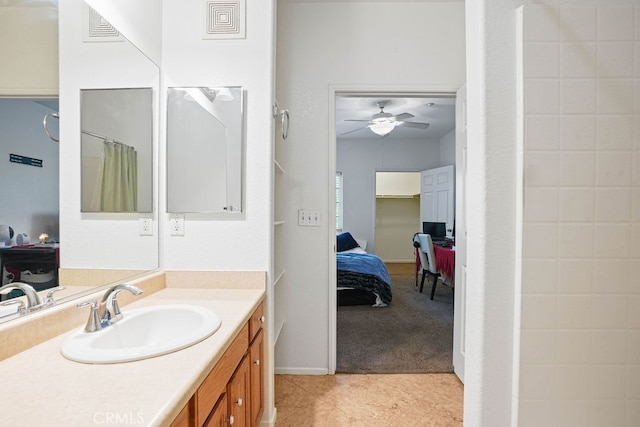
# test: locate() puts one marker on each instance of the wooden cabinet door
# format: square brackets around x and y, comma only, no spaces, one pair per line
[256,358]
[218,417]
[238,388]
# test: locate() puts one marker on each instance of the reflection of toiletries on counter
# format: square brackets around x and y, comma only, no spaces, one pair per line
[22,239]
[6,234]
[43,238]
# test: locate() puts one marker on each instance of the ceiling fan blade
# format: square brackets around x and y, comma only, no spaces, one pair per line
[352,131]
[403,116]
[357,120]
[416,125]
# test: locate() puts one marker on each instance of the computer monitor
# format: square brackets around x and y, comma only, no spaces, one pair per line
[436,229]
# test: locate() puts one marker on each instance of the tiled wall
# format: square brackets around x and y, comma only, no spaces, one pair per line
[580,321]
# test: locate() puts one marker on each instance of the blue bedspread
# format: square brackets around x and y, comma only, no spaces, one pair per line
[363,263]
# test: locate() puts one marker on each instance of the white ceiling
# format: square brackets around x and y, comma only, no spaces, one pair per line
[440,116]
[28,3]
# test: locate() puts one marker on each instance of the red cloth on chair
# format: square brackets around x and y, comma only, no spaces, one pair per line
[445,260]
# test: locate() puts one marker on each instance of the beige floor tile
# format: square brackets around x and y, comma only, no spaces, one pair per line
[369,400]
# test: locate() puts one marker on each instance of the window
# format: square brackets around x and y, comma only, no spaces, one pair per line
[339,201]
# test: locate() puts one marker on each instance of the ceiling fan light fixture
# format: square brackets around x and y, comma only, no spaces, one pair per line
[382,128]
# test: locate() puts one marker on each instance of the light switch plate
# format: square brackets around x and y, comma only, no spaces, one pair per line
[308,218]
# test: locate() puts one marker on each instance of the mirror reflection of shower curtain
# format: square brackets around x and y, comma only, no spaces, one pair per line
[117,180]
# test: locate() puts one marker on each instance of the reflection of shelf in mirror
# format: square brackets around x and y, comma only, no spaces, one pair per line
[278,167]
[275,282]
[278,223]
[278,330]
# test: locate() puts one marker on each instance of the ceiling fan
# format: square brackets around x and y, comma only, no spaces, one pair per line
[382,123]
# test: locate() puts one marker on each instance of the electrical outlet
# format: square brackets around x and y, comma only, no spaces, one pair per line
[308,218]
[176,225]
[145,226]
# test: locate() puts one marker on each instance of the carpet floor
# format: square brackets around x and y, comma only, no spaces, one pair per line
[412,335]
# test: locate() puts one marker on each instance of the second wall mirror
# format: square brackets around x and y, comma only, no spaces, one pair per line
[204,149]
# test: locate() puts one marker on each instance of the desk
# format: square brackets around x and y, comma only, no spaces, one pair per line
[35,258]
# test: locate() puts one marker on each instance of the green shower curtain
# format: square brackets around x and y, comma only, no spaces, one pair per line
[119,178]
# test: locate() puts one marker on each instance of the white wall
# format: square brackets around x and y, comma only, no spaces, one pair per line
[29,194]
[360,159]
[324,45]
[448,149]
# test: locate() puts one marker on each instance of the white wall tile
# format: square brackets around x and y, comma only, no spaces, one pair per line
[609,347]
[635,204]
[571,413]
[539,276]
[542,96]
[537,346]
[578,132]
[615,23]
[541,204]
[634,316]
[616,59]
[615,96]
[613,204]
[608,382]
[612,240]
[614,168]
[573,382]
[577,169]
[579,60]
[578,96]
[536,413]
[577,204]
[579,23]
[633,384]
[615,132]
[538,312]
[541,132]
[575,241]
[607,413]
[636,132]
[538,382]
[635,241]
[540,240]
[634,276]
[541,23]
[574,311]
[635,176]
[633,345]
[610,312]
[575,276]
[632,412]
[543,60]
[573,347]
[541,168]
[611,276]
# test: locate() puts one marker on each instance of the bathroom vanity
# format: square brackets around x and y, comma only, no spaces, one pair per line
[213,382]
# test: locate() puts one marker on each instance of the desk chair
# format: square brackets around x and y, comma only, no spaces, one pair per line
[428,261]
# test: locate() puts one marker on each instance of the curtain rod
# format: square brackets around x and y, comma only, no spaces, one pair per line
[86,132]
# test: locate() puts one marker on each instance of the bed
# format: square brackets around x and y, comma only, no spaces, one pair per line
[363,278]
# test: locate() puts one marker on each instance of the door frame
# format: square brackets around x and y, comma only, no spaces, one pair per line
[358,90]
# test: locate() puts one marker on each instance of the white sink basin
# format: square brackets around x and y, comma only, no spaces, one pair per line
[143,333]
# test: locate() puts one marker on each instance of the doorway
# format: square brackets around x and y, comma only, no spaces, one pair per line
[360,152]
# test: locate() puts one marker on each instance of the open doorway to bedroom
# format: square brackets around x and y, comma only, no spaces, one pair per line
[411,334]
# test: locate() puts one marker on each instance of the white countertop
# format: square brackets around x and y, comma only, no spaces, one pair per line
[41,387]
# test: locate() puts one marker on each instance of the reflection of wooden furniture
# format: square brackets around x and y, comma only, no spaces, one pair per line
[34,258]
[234,387]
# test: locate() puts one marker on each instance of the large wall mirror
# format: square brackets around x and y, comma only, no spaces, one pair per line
[86,240]
[116,128]
[204,149]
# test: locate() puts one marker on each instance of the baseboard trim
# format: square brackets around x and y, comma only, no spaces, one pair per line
[301,371]
[271,422]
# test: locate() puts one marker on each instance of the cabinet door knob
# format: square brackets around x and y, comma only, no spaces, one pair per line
[261,319]
[231,420]
[257,362]
[239,401]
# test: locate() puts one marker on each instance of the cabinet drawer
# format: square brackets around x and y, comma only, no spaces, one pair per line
[216,382]
[256,321]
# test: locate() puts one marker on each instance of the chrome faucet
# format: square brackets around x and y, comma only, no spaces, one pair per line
[109,310]
[33,300]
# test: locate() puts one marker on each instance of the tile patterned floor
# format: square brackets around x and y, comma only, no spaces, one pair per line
[368,400]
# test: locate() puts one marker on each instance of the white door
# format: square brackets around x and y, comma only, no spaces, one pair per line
[437,196]
[459,302]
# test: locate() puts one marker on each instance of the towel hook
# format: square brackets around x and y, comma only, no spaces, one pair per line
[44,124]
[284,117]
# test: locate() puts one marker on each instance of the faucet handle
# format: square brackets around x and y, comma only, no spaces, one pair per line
[93,323]
[48,300]
[22,309]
